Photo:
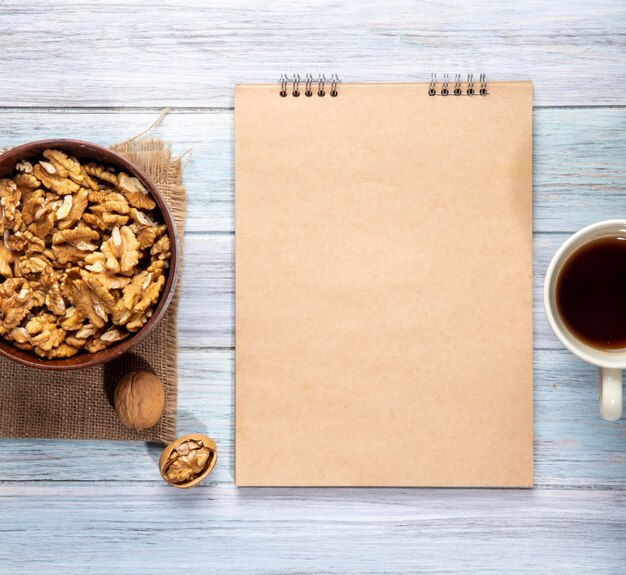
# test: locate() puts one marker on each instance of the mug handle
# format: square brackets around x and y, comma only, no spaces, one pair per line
[610,393]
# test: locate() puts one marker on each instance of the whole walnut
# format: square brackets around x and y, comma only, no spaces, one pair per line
[139,398]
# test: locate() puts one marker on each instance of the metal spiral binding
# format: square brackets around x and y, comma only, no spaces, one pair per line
[296,86]
[470,88]
[308,92]
[308,85]
[444,87]
[333,85]
[483,85]
[470,84]
[457,85]
[432,90]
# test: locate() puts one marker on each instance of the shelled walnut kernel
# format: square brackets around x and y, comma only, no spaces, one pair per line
[83,256]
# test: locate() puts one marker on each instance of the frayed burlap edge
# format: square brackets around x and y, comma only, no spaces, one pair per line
[153,156]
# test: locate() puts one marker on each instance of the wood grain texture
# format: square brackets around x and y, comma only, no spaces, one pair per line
[312,531]
[130,57]
[573,446]
[138,53]
[579,158]
[207,137]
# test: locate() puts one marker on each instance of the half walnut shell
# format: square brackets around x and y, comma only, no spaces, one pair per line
[188,460]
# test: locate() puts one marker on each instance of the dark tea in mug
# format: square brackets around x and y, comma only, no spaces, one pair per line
[591,293]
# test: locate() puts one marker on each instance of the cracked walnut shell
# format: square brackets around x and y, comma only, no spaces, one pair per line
[84,255]
[188,460]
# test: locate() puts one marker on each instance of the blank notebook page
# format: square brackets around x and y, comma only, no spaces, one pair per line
[384,287]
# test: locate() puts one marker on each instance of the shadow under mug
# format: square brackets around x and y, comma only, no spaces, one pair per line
[611,361]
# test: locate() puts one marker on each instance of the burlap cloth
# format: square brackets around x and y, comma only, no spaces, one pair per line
[78,404]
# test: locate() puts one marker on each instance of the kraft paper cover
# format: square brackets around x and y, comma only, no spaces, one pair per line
[383,287]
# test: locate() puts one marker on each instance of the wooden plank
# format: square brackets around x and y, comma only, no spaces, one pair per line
[51,529]
[579,160]
[206,315]
[209,172]
[144,53]
[544,248]
[573,446]
[579,166]
[207,307]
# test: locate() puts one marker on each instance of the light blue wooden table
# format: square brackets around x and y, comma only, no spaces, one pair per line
[100,71]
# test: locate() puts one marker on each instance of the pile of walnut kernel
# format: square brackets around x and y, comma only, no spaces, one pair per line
[82,256]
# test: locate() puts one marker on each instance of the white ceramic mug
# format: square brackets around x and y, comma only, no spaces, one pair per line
[611,362]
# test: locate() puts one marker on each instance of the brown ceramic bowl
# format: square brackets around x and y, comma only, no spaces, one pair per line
[92,152]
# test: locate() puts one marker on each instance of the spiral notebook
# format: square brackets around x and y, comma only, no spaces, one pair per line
[384,283]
